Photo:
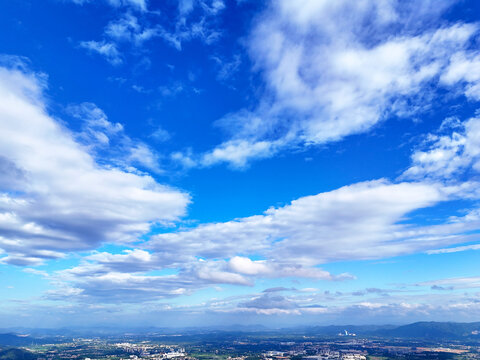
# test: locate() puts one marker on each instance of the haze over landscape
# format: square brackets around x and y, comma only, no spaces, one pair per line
[218,163]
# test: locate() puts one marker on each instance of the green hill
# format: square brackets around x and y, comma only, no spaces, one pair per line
[435,330]
[14,340]
[16,354]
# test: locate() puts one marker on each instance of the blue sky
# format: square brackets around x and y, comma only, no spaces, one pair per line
[208,162]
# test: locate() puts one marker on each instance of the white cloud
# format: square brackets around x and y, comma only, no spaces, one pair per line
[366,220]
[196,20]
[362,221]
[143,155]
[226,69]
[107,49]
[124,277]
[109,277]
[116,287]
[246,266]
[66,200]
[161,135]
[270,302]
[464,67]
[185,6]
[128,28]
[284,311]
[454,283]
[123,28]
[109,141]
[213,273]
[130,261]
[96,127]
[238,152]
[140,5]
[335,69]
[448,156]
[263,268]
[454,249]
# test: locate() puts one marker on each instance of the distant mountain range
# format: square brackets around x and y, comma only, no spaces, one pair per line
[435,330]
[418,330]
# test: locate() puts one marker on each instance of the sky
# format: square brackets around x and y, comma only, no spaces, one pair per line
[214,162]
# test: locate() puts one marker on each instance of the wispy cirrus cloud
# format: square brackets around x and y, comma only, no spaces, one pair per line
[108,141]
[107,49]
[140,5]
[454,283]
[196,19]
[454,249]
[132,29]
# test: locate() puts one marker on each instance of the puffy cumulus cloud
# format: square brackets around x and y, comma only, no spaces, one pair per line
[362,221]
[215,272]
[54,197]
[464,68]
[335,69]
[448,155]
[281,269]
[244,265]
